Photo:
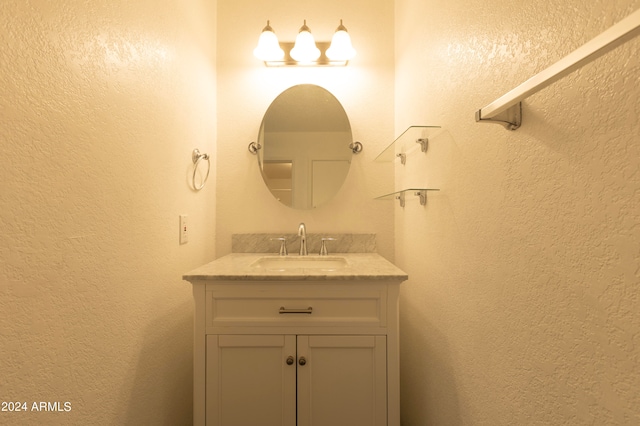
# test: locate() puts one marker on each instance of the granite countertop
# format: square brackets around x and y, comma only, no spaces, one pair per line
[237,267]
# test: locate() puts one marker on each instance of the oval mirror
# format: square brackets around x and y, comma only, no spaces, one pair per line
[304,138]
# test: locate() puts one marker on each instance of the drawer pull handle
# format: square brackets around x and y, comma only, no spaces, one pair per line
[284,310]
[290,360]
[302,361]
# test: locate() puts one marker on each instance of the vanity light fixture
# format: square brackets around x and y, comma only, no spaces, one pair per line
[268,48]
[341,48]
[305,51]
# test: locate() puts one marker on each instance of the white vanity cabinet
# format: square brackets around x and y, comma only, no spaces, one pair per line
[274,380]
[296,353]
[316,351]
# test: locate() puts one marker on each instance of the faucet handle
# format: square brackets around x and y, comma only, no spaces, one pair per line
[323,246]
[283,245]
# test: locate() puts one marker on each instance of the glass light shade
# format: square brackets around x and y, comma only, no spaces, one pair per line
[341,48]
[268,48]
[305,49]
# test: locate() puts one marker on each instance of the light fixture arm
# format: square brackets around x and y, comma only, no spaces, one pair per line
[304,27]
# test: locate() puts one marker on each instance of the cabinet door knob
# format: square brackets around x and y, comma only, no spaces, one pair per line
[290,360]
[302,360]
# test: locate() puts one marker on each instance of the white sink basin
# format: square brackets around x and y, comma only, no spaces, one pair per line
[291,263]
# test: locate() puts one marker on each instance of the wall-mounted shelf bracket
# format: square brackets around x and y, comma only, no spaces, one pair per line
[423,197]
[511,118]
[424,144]
[405,142]
[401,195]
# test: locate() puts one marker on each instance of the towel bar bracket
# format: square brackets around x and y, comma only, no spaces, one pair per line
[511,118]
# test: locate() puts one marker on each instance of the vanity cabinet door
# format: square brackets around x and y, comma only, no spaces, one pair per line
[343,381]
[251,380]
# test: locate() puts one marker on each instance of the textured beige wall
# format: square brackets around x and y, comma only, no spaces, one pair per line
[523,304]
[246,88]
[102,103]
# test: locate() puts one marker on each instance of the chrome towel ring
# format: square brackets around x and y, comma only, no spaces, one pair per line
[196,156]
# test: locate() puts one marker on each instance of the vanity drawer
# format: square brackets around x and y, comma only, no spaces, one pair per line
[284,305]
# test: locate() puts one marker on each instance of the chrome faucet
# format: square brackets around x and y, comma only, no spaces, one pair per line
[302,233]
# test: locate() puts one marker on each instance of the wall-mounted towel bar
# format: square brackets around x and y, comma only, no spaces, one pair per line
[507,109]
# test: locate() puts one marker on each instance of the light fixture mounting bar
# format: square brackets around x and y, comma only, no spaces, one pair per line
[321,61]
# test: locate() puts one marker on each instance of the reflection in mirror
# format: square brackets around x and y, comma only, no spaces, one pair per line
[278,176]
[304,138]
